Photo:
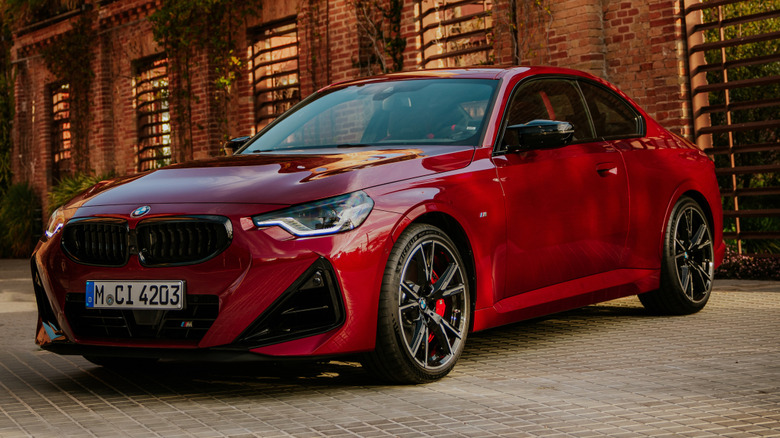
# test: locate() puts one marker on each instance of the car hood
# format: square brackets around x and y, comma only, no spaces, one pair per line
[286,179]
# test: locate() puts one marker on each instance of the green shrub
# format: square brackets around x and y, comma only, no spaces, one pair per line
[20,221]
[68,188]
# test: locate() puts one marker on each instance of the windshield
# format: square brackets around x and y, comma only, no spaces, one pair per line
[406,112]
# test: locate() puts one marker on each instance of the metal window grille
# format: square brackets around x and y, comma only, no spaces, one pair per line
[150,87]
[275,73]
[734,62]
[61,140]
[455,33]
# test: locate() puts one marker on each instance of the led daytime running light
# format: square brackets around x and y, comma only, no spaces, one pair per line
[328,216]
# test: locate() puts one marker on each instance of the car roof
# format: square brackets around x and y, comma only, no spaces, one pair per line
[465,73]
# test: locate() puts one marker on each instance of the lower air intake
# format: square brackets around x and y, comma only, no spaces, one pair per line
[312,305]
[188,324]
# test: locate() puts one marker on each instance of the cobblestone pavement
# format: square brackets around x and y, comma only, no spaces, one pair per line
[604,370]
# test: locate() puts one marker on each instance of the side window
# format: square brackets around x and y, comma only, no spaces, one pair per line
[551,99]
[612,116]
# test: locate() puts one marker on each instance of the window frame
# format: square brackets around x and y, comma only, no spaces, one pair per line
[497,146]
[255,36]
[640,120]
[58,143]
[488,49]
[142,119]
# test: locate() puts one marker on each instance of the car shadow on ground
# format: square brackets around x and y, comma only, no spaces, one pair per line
[235,378]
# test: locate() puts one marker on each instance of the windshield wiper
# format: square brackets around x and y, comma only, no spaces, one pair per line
[353,145]
[305,148]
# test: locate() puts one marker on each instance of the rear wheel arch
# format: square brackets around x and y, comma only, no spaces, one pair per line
[687,260]
[682,192]
[702,201]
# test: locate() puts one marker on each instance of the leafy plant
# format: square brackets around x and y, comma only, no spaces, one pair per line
[756,106]
[26,12]
[69,187]
[379,24]
[19,221]
[70,58]
[184,28]
[6,101]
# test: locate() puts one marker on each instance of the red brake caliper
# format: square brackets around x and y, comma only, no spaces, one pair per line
[440,306]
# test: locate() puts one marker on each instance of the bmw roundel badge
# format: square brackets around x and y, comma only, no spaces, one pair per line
[140,211]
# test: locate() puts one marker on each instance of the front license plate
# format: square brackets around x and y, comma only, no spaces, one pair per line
[135,294]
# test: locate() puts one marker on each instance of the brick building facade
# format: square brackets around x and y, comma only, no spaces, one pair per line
[292,48]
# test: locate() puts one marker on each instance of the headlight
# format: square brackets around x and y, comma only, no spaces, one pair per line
[56,221]
[328,216]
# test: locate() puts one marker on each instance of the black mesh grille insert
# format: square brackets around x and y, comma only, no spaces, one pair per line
[97,242]
[181,240]
[188,324]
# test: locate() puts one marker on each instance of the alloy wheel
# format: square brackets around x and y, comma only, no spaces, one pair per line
[693,254]
[432,301]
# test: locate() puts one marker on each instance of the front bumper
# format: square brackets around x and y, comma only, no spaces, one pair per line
[273,295]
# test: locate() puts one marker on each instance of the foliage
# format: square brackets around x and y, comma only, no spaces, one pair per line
[70,59]
[19,215]
[382,46]
[533,15]
[753,112]
[185,27]
[742,267]
[6,102]
[27,12]
[69,187]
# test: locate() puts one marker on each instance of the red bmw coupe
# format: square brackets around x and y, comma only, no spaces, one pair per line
[386,218]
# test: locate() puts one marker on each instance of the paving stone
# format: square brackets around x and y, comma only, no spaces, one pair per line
[604,370]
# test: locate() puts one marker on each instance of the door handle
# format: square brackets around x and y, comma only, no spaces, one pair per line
[606,169]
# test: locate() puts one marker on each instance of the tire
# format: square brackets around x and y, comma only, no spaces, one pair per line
[128,363]
[424,309]
[687,267]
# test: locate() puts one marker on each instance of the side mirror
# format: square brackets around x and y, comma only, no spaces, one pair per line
[233,144]
[538,134]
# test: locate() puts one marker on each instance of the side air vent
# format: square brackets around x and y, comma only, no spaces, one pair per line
[312,305]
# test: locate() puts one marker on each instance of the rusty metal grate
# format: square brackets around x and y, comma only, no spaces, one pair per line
[734,63]
[455,33]
[274,66]
[150,87]
[60,131]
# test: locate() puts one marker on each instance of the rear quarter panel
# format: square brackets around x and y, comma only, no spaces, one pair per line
[661,168]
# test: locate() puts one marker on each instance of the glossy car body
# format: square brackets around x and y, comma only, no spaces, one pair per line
[539,230]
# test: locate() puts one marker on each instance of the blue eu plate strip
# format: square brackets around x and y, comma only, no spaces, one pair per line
[90,294]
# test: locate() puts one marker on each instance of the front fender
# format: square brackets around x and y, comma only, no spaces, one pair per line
[480,215]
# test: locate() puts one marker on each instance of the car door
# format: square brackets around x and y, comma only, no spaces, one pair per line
[567,206]
[617,122]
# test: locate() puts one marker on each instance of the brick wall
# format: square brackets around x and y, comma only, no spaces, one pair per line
[638,45]
[646,57]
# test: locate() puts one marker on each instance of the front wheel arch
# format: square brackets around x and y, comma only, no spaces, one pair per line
[455,231]
[424,301]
